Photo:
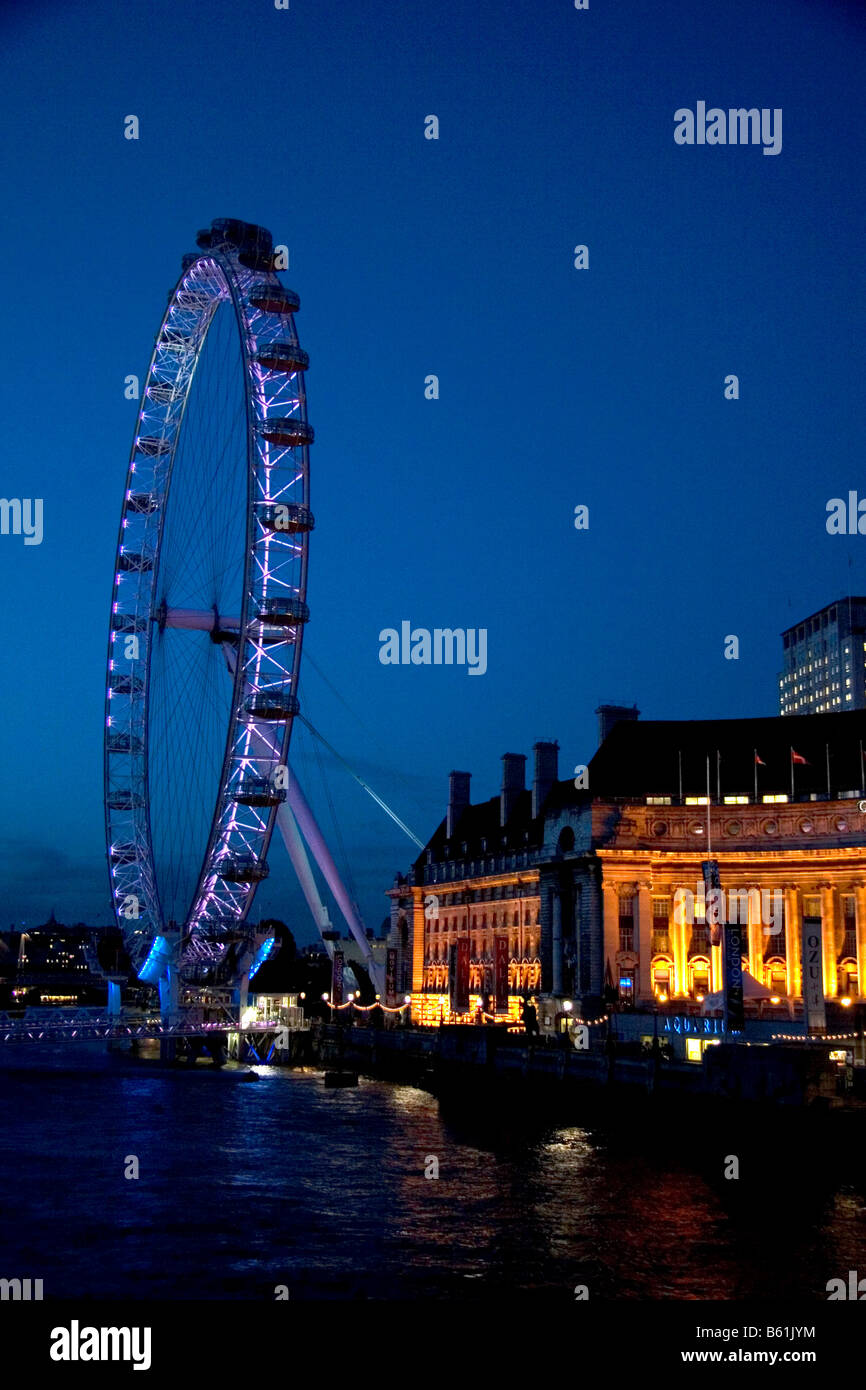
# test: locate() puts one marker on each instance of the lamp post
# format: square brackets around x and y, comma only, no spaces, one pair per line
[567,1007]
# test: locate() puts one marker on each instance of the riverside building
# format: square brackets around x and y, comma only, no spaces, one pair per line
[571,892]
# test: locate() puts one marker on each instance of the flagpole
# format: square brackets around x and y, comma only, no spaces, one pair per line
[827,750]
[755,763]
[791,753]
[718,777]
[709,826]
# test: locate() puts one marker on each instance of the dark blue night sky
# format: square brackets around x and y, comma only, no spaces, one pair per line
[455,257]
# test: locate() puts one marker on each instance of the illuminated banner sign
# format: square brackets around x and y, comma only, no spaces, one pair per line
[733,954]
[712,885]
[684,1023]
[458,976]
[501,971]
[813,975]
[391,976]
[337,978]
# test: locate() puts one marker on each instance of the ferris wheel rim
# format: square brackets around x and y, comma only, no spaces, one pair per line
[275,441]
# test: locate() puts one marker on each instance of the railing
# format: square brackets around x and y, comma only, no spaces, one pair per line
[95,1025]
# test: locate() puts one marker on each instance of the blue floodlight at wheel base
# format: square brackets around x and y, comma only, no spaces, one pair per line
[158,958]
[265,950]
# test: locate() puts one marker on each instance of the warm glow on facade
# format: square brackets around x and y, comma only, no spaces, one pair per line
[583,885]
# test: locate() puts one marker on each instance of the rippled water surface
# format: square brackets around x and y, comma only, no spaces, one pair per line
[246,1186]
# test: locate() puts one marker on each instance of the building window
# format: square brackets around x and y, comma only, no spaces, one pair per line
[848,983]
[849,919]
[701,978]
[661,919]
[699,943]
[626,924]
[662,979]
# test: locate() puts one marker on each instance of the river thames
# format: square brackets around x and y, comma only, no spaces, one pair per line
[246,1187]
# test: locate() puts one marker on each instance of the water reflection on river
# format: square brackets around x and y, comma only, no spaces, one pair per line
[244,1187]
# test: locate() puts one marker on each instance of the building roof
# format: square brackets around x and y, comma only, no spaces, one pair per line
[642,758]
[482,822]
[841,603]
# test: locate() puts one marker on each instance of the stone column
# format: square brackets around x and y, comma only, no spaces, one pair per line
[679,938]
[757,939]
[556,942]
[717,980]
[793,931]
[860,900]
[610,943]
[593,926]
[828,931]
[417,940]
[644,941]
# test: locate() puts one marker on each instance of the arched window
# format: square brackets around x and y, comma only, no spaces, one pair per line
[777,977]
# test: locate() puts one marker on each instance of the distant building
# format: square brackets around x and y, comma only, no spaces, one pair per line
[824,660]
[582,882]
[56,964]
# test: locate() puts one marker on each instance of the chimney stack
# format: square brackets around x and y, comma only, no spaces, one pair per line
[546,773]
[458,799]
[608,715]
[513,783]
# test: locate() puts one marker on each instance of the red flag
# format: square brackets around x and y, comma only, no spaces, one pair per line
[760,761]
[796,758]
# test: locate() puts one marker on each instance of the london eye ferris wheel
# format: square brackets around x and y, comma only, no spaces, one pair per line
[209,605]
